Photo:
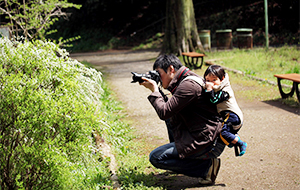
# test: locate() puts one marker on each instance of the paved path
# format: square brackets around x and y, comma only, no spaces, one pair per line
[271,130]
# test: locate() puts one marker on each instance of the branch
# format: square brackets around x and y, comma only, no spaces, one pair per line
[53,13]
[15,20]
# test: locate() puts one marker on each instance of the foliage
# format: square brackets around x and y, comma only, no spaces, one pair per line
[90,40]
[50,104]
[35,17]
[151,43]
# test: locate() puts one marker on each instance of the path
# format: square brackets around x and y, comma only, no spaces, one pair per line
[271,130]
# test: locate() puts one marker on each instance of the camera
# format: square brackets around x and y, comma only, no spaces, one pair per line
[154,75]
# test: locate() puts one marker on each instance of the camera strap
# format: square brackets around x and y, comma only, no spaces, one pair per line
[183,73]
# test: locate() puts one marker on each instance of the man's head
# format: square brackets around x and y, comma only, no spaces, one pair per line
[164,62]
[167,66]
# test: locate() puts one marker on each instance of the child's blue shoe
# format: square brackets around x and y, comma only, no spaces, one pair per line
[243,149]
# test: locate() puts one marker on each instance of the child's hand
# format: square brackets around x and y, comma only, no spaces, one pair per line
[209,86]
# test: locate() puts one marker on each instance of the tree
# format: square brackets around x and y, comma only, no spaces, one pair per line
[181,34]
[33,17]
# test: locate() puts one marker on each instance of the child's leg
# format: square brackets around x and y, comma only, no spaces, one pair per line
[229,134]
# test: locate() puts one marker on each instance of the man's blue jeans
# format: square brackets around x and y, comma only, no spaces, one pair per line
[197,165]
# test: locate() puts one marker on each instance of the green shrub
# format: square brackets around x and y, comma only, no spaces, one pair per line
[50,105]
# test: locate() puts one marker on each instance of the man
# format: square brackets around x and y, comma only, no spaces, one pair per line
[193,121]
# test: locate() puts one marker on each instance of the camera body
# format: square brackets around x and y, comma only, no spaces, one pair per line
[154,75]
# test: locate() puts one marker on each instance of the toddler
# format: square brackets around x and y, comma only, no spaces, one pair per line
[219,91]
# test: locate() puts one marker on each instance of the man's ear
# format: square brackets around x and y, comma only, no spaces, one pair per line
[172,69]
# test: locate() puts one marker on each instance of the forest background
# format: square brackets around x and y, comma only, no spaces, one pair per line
[119,24]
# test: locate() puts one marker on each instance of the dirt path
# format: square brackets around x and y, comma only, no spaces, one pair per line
[271,130]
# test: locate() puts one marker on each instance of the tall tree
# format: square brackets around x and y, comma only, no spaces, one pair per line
[181,34]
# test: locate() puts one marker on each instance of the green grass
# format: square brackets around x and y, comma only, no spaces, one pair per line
[261,64]
[130,150]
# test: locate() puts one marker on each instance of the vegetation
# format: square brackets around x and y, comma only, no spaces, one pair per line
[33,19]
[50,106]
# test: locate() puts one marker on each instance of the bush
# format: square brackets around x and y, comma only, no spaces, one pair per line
[50,105]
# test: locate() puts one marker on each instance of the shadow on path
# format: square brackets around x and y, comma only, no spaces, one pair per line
[278,104]
[179,182]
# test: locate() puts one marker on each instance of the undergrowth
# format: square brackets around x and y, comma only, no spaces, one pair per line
[52,107]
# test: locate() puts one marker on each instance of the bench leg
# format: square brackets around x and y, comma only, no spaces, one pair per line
[296,87]
[192,62]
[285,95]
[186,61]
[201,62]
[189,61]
[196,65]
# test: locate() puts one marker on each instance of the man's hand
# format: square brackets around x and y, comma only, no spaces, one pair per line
[209,86]
[150,84]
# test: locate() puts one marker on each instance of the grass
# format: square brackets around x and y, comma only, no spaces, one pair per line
[130,150]
[261,64]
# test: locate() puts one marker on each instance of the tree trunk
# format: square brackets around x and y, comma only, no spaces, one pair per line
[181,34]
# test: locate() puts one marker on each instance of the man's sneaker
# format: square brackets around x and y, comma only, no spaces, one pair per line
[205,181]
[212,172]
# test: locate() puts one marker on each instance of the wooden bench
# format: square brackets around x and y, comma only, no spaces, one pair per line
[292,77]
[191,59]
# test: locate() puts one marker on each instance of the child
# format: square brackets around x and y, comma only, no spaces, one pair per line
[220,92]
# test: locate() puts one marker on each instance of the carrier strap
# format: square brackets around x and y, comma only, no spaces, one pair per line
[222,138]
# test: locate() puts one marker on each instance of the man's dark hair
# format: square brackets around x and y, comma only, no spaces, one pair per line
[164,62]
[215,70]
